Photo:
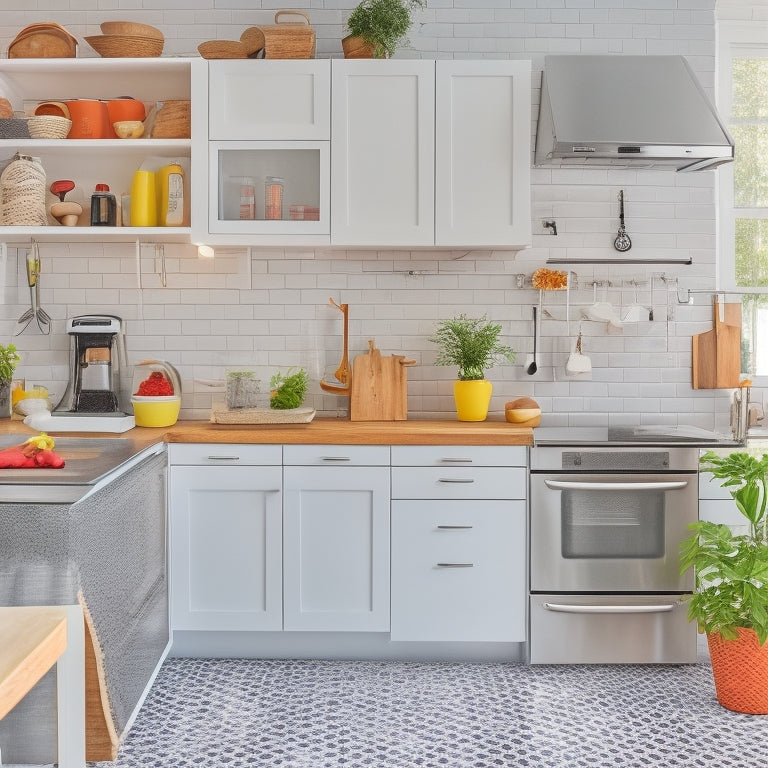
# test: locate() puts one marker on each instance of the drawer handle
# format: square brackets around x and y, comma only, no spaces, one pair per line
[455,565]
[568,608]
[455,460]
[455,480]
[454,527]
[335,458]
[223,458]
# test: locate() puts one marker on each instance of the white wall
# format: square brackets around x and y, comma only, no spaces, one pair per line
[272,309]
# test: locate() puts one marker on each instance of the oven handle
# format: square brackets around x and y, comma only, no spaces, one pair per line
[563,485]
[560,608]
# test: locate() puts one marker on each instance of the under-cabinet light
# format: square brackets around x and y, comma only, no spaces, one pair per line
[205,252]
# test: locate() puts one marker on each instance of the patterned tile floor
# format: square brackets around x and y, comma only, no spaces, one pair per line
[227,713]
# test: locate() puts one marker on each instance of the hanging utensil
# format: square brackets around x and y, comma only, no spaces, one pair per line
[533,366]
[343,371]
[26,318]
[622,242]
[41,316]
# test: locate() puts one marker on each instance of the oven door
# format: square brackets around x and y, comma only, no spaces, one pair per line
[610,533]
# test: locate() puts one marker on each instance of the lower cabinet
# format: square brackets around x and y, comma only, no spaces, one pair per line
[458,544]
[226,538]
[336,538]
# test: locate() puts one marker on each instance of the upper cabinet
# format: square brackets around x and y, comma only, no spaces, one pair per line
[483,153]
[91,161]
[383,157]
[431,153]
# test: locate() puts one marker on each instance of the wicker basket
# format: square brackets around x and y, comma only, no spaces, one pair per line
[22,193]
[740,670]
[125,46]
[44,40]
[223,49]
[289,40]
[172,120]
[48,127]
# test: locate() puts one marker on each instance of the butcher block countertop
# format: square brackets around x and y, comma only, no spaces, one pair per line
[342,431]
[319,431]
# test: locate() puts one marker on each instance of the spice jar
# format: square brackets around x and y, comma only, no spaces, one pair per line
[273,197]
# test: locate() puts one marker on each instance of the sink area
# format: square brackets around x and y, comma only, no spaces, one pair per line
[87,461]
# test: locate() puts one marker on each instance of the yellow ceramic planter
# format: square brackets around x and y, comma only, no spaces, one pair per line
[472,399]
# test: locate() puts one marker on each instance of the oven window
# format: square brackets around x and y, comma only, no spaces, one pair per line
[612,523]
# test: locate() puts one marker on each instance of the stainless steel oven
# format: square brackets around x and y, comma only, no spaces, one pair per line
[606,524]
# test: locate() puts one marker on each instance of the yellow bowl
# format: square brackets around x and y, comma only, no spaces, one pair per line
[156,411]
[129,129]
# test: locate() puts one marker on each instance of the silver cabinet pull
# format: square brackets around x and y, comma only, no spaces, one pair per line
[455,460]
[455,565]
[560,608]
[454,527]
[455,480]
[223,458]
[335,458]
[562,485]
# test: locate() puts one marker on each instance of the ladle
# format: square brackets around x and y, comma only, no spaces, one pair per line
[532,366]
[342,373]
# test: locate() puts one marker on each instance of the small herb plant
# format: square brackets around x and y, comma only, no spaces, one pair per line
[289,390]
[9,359]
[731,570]
[471,344]
[383,23]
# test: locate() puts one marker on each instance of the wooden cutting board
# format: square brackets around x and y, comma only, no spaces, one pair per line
[379,387]
[716,354]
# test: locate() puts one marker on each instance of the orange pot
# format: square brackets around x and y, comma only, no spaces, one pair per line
[740,670]
[90,119]
[124,109]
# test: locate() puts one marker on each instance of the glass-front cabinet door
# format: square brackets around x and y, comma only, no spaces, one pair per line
[269,187]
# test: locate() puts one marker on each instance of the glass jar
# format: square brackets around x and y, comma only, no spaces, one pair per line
[273,198]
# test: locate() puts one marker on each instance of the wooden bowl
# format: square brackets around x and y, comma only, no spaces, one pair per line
[223,49]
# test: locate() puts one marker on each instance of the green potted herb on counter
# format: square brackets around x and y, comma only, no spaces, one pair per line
[288,390]
[9,359]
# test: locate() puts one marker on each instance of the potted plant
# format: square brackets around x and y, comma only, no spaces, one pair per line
[730,600]
[376,27]
[471,344]
[9,359]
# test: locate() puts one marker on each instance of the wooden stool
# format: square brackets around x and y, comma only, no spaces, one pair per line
[32,640]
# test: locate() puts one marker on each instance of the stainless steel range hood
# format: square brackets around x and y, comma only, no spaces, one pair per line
[630,111]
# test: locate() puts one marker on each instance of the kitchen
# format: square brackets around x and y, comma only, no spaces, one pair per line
[269,307]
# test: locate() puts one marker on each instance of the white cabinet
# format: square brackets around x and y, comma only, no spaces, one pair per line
[266,122]
[431,153]
[87,162]
[483,153]
[382,169]
[225,537]
[458,568]
[336,538]
[716,504]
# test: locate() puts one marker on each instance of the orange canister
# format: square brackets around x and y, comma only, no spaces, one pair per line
[143,199]
[90,119]
[125,108]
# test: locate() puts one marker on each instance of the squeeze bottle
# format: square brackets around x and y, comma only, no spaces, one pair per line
[170,196]
[143,199]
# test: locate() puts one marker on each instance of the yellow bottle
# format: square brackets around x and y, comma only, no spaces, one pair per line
[170,196]
[143,199]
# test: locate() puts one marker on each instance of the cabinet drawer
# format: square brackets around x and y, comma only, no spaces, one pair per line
[336,455]
[458,574]
[224,454]
[459,455]
[278,100]
[456,482]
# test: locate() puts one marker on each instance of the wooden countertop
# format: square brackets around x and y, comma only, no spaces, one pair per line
[318,431]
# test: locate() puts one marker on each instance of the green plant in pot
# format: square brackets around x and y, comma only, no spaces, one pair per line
[473,345]
[9,359]
[376,27]
[730,599]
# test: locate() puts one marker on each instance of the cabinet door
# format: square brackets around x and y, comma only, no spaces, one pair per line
[273,100]
[382,158]
[483,153]
[336,549]
[225,543]
[458,571]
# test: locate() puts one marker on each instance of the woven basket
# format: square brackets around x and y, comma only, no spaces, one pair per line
[48,127]
[356,48]
[125,46]
[131,28]
[740,670]
[289,40]
[44,40]
[172,120]
[222,49]
[22,193]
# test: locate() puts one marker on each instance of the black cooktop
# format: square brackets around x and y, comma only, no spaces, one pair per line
[659,435]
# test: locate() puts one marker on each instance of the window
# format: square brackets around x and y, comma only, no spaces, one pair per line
[743,185]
